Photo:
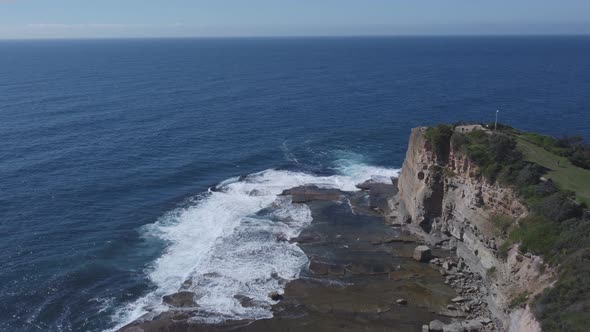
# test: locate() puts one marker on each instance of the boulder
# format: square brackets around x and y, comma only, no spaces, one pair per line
[486,321]
[401,301]
[472,326]
[307,237]
[422,254]
[453,327]
[436,326]
[245,301]
[447,265]
[275,296]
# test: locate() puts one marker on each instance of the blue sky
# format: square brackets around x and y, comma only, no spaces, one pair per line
[197,18]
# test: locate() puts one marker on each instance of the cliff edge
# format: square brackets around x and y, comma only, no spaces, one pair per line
[443,197]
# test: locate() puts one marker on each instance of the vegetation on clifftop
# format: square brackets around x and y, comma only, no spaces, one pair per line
[558,226]
[439,138]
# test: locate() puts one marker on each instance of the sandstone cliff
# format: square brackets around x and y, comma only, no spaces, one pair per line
[448,202]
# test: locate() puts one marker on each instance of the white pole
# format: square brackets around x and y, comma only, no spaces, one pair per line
[496,124]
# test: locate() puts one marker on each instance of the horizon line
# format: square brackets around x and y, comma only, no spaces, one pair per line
[484,35]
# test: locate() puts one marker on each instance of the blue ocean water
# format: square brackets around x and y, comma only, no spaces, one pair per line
[109,146]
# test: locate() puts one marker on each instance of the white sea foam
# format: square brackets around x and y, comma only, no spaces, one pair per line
[226,243]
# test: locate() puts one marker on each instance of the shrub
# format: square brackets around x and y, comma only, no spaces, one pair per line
[492,273]
[519,300]
[581,157]
[503,149]
[558,207]
[529,174]
[439,138]
[502,224]
[537,235]
[565,306]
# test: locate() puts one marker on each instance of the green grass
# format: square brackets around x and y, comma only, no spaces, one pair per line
[566,175]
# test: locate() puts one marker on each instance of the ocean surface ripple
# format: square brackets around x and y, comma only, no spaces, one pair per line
[112,149]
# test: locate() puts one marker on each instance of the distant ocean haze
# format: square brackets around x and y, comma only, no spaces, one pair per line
[109,149]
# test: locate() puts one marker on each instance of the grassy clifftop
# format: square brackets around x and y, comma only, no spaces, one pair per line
[555,191]
[559,169]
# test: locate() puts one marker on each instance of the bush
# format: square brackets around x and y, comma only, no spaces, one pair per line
[559,207]
[439,138]
[502,224]
[581,157]
[565,306]
[503,149]
[537,235]
[492,273]
[519,300]
[572,147]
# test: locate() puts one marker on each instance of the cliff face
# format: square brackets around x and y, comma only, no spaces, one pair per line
[448,202]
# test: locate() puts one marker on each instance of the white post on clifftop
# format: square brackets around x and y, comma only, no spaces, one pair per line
[496,124]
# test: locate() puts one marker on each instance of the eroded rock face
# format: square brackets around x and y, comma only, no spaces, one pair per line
[437,194]
[449,203]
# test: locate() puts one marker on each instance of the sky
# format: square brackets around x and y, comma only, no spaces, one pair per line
[235,18]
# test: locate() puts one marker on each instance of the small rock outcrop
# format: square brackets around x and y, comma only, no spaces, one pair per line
[275,296]
[180,300]
[401,301]
[305,194]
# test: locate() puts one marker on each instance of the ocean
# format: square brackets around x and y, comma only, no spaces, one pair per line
[130,166]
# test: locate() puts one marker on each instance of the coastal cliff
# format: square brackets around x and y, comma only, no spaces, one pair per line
[443,197]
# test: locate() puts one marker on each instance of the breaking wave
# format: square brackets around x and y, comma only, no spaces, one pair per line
[224,245]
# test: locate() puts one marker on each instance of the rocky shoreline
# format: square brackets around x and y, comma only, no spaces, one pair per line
[419,253]
[363,274]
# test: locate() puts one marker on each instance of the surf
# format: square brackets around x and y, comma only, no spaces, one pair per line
[223,246]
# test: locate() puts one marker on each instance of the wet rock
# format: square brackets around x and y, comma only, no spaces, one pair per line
[275,296]
[336,270]
[401,301]
[400,239]
[187,284]
[319,268]
[472,326]
[256,192]
[422,254]
[425,328]
[282,237]
[180,300]
[360,268]
[307,237]
[245,301]
[379,193]
[305,194]
[132,329]
[453,327]
[436,326]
